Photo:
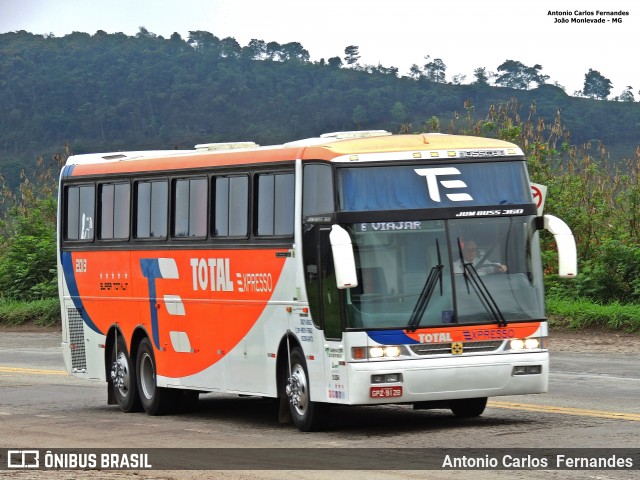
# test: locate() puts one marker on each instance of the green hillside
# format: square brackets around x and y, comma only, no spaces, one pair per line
[107,92]
[86,93]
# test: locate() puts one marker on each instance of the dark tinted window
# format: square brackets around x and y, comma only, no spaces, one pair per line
[317,193]
[231,206]
[190,214]
[151,209]
[79,212]
[275,204]
[114,211]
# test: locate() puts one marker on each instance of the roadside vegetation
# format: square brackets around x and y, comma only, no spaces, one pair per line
[598,198]
[28,279]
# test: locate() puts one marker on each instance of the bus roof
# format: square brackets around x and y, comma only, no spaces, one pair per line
[338,147]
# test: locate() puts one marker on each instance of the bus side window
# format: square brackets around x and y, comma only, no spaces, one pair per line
[114,211]
[275,204]
[190,208]
[151,209]
[231,206]
[79,212]
[317,191]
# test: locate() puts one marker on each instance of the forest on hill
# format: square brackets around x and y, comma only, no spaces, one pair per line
[107,92]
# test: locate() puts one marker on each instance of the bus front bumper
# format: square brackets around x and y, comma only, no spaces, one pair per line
[448,378]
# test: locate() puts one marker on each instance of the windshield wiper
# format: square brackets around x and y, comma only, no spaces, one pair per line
[435,277]
[488,302]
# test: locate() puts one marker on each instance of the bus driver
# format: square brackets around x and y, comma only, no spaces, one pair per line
[481,264]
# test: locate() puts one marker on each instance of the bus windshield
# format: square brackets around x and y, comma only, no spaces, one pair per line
[419,273]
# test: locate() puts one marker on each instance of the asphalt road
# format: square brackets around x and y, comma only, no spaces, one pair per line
[594,402]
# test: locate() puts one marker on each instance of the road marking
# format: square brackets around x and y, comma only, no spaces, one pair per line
[581,412]
[33,371]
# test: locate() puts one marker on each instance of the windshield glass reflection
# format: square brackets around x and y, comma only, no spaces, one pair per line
[434,273]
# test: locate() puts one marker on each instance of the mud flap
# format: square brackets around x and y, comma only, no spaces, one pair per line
[111,396]
[284,413]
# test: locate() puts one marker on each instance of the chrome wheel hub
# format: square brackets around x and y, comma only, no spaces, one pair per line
[120,374]
[297,390]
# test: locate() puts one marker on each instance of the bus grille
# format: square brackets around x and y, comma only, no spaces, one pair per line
[76,340]
[445,348]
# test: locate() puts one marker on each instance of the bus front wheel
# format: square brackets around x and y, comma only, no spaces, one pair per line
[123,377]
[468,407]
[305,414]
[155,400]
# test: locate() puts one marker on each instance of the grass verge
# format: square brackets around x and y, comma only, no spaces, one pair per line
[578,314]
[41,313]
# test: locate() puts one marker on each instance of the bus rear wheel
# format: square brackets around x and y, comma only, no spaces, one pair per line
[155,400]
[305,414]
[468,407]
[123,377]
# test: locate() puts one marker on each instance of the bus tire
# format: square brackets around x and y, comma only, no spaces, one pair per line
[308,416]
[155,400]
[123,377]
[468,407]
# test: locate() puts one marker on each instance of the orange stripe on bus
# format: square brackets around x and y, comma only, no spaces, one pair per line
[214,300]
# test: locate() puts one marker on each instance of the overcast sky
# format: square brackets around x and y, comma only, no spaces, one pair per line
[465,34]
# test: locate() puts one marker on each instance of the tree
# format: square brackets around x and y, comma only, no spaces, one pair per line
[596,85]
[481,76]
[230,47]
[256,49]
[435,70]
[28,241]
[294,51]
[335,62]
[517,75]
[352,55]
[414,72]
[627,95]
[203,41]
[144,33]
[511,75]
[273,51]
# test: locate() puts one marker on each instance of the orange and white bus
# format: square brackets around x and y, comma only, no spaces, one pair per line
[357,268]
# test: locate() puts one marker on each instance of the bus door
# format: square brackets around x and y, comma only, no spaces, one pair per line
[330,305]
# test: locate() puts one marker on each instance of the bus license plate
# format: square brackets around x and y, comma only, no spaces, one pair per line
[385,392]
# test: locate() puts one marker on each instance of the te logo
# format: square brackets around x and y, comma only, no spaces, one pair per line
[433,184]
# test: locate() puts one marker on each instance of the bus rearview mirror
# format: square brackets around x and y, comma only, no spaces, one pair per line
[343,258]
[566,243]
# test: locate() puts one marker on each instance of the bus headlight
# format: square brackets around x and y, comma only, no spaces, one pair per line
[520,344]
[377,352]
[531,343]
[392,351]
